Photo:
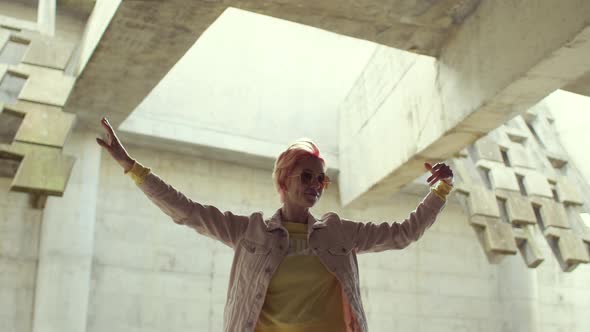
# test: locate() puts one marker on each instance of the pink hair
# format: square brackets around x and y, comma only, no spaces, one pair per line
[301,149]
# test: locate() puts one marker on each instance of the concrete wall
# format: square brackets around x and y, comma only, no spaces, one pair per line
[149,274]
[19,247]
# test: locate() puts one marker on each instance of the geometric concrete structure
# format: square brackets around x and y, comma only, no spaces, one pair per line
[36,128]
[515,182]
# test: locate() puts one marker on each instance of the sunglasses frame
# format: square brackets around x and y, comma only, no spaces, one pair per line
[324,183]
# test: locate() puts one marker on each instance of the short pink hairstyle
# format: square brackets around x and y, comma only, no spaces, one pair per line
[285,164]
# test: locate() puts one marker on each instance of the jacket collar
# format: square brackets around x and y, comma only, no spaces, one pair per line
[276,222]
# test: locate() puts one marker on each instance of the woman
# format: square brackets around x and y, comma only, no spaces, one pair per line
[291,272]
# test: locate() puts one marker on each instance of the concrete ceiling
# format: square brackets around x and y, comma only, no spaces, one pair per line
[581,86]
[146,38]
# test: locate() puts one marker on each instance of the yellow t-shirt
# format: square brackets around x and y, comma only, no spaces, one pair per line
[302,295]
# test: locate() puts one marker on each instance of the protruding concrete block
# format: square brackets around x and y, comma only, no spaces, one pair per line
[520,157]
[43,170]
[486,148]
[529,249]
[43,124]
[482,202]
[44,85]
[516,135]
[569,249]
[500,237]
[568,193]
[536,184]
[557,160]
[48,52]
[503,178]
[553,214]
[520,211]
[495,237]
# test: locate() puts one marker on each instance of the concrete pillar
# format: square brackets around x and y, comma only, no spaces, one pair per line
[46,17]
[67,242]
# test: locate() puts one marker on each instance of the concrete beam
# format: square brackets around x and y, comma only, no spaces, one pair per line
[499,63]
[581,86]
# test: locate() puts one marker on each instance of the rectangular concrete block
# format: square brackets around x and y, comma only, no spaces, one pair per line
[44,85]
[520,156]
[527,245]
[553,214]
[503,178]
[482,202]
[536,184]
[35,128]
[572,250]
[499,237]
[568,192]
[487,148]
[48,52]
[520,211]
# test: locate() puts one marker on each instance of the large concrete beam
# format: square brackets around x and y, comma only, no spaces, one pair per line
[504,58]
[146,38]
[581,86]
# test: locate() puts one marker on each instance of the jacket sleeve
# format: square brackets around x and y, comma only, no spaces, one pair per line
[205,219]
[370,237]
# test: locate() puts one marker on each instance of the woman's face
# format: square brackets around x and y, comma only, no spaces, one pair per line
[305,194]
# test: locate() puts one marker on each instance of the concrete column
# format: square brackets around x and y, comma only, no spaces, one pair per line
[67,242]
[46,17]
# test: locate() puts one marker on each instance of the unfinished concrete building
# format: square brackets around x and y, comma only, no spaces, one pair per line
[208,93]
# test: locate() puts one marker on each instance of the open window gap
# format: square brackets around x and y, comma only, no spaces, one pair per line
[10,86]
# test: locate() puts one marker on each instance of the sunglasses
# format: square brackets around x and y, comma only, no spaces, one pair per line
[307,179]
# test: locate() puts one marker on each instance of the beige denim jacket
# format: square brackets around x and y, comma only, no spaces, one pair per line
[260,244]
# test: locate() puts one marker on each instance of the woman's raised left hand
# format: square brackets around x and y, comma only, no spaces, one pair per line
[440,171]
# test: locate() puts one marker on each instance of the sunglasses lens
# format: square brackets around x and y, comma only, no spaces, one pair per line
[306,177]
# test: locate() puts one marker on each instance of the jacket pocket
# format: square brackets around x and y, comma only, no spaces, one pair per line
[254,248]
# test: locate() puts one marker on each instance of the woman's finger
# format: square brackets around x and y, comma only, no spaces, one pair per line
[103,144]
[438,166]
[436,173]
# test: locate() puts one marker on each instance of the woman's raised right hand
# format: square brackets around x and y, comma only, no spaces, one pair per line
[114,147]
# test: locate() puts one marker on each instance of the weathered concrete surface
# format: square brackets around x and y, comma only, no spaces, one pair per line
[436,108]
[67,244]
[146,38]
[581,86]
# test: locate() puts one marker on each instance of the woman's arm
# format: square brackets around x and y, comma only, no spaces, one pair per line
[207,220]
[369,237]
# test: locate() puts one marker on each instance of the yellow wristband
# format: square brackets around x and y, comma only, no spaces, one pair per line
[138,172]
[442,189]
